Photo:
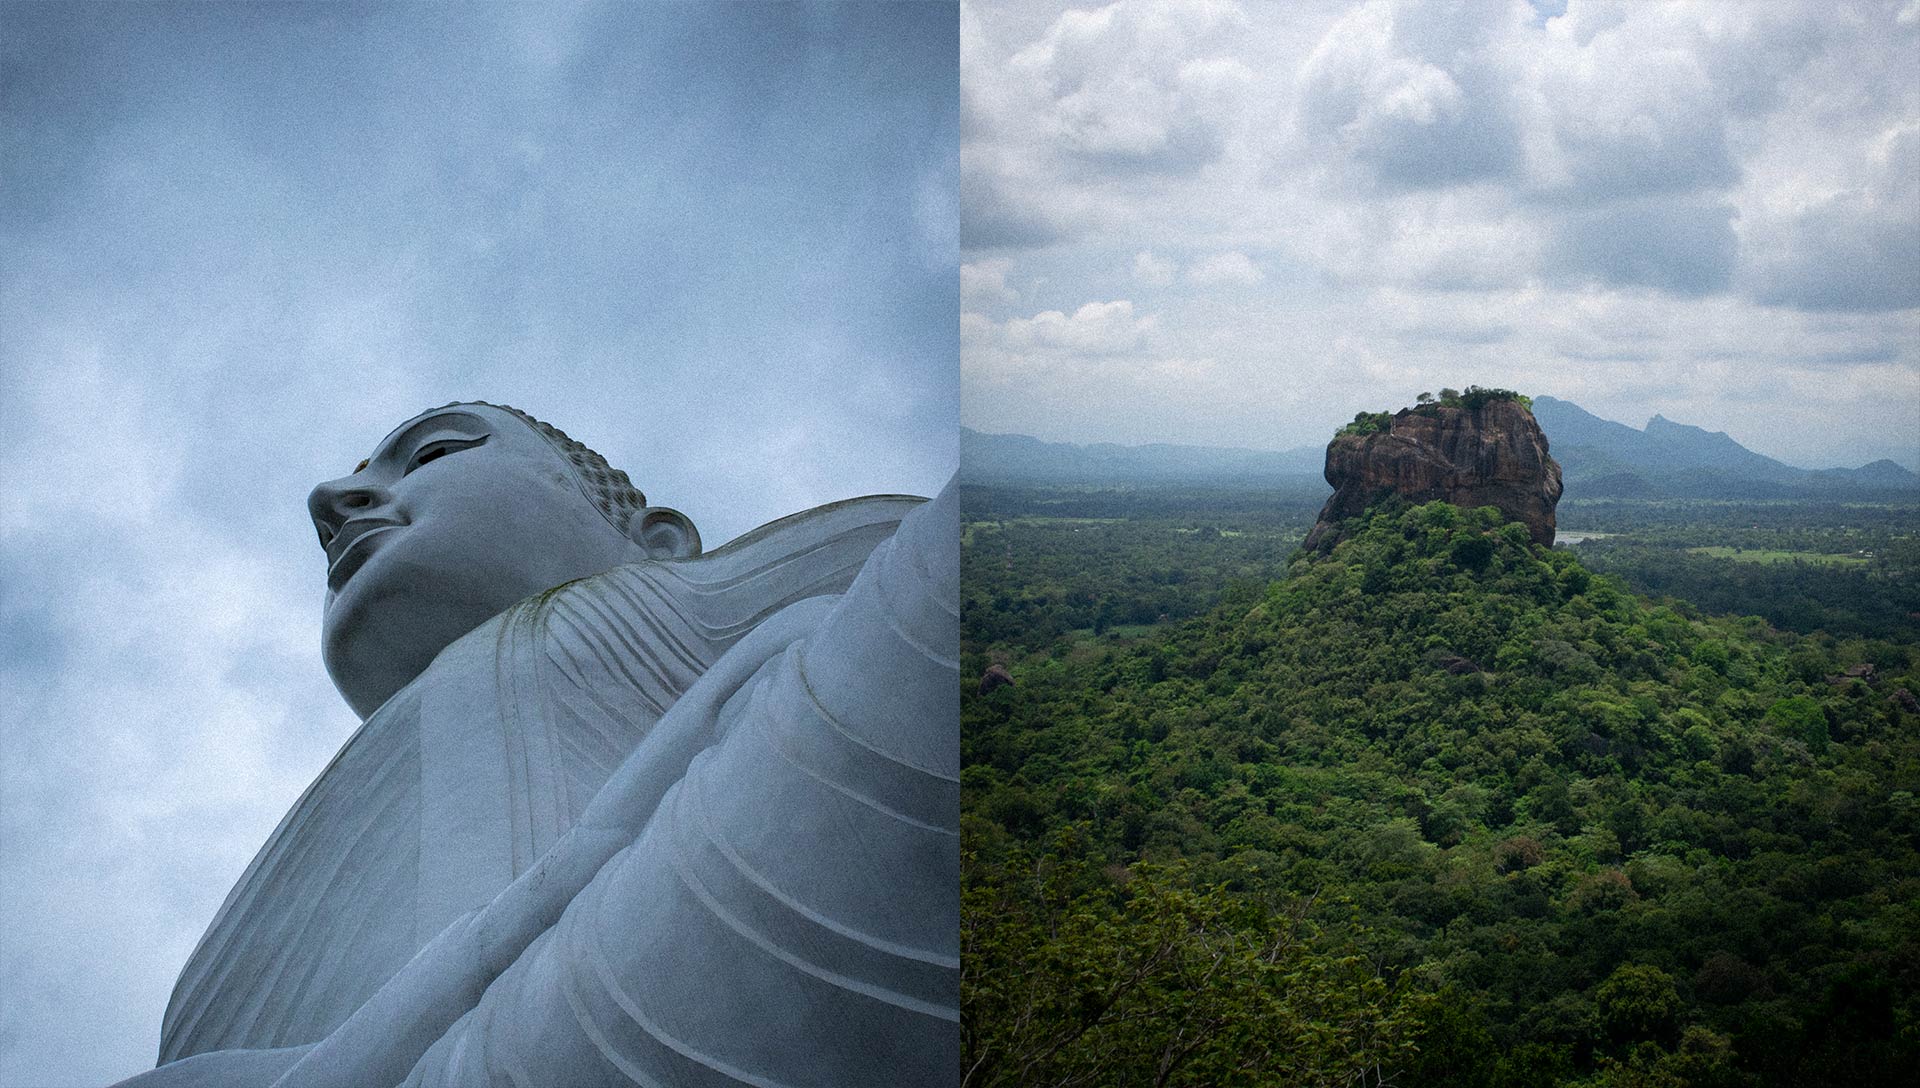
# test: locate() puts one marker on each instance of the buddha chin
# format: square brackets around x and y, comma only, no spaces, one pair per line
[386,624]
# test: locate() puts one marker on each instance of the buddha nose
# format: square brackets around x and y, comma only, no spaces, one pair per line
[334,503]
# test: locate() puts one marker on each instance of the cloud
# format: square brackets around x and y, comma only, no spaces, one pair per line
[1230,268]
[1683,247]
[1116,95]
[1598,104]
[1097,328]
[1466,147]
[1123,88]
[1152,270]
[1407,96]
[1457,334]
[164,703]
[998,212]
[976,328]
[1552,117]
[1649,207]
[1621,109]
[985,282]
[1854,250]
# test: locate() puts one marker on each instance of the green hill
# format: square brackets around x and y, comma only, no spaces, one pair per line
[1446,806]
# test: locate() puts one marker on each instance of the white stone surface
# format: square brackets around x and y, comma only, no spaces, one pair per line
[688,820]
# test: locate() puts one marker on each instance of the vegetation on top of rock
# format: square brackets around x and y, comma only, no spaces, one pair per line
[1426,404]
[1474,398]
[1365,423]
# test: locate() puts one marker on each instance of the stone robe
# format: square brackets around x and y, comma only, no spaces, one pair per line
[765,893]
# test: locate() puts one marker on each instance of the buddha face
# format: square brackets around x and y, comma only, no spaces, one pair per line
[459,514]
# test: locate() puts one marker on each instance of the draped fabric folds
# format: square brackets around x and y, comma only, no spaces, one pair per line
[473,773]
[790,913]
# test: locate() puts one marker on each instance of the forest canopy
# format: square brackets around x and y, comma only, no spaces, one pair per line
[1508,821]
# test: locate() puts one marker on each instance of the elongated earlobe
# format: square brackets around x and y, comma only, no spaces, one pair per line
[664,533]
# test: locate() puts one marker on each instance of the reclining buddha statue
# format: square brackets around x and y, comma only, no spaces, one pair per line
[620,812]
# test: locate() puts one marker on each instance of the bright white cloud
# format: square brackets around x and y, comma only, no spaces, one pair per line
[1408,96]
[1124,88]
[985,282]
[1153,271]
[1097,328]
[1230,268]
[1058,126]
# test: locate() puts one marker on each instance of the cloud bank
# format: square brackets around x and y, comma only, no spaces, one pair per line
[1700,209]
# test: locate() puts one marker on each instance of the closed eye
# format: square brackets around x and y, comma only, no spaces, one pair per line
[433,451]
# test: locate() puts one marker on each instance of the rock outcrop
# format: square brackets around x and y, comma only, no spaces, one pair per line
[996,676]
[1493,455]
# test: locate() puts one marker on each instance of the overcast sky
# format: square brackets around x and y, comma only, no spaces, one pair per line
[1240,224]
[238,244]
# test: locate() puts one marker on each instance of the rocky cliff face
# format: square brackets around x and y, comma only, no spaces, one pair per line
[1494,455]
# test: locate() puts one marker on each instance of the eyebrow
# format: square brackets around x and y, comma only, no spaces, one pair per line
[410,433]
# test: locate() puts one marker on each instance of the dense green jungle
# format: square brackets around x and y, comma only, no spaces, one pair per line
[1438,807]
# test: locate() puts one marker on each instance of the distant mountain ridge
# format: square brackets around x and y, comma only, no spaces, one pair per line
[1604,459]
[1021,459]
[1598,457]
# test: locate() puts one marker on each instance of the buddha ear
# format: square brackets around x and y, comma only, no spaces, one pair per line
[664,533]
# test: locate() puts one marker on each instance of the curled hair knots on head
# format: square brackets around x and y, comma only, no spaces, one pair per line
[609,488]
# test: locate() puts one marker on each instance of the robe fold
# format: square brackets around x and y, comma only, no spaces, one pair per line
[470,775]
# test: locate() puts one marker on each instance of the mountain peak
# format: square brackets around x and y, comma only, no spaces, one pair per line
[1682,460]
[1660,424]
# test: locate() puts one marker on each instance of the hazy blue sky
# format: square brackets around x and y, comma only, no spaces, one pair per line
[1239,224]
[238,243]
